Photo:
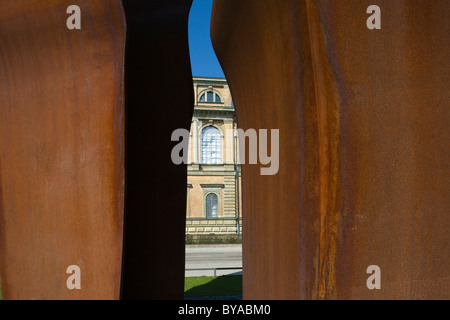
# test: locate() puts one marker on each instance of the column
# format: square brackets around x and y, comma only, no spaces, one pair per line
[195,141]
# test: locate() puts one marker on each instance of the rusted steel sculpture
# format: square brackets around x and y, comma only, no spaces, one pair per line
[61,149]
[159,100]
[364,171]
[364,117]
[62,154]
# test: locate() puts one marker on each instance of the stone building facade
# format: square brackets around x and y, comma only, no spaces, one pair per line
[214,178]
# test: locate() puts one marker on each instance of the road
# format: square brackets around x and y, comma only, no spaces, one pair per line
[198,257]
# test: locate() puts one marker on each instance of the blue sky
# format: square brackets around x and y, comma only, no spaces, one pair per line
[203,59]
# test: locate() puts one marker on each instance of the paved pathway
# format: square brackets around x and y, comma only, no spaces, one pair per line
[220,256]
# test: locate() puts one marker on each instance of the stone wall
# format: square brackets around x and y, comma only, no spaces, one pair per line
[216,226]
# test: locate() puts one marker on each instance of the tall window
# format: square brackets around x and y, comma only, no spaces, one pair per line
[210,97]
[211,146]
[212,206]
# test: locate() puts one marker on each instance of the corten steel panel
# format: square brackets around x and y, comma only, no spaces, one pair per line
[267,63]
[159,100]
[364,121]
[61,149]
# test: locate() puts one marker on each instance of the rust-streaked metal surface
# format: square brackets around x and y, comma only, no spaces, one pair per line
[364,121]
[159,100]
[61,149]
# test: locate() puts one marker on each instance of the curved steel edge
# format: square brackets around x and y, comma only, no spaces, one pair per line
[363,118]
[61,149]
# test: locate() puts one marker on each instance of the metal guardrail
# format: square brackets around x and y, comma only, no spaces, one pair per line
[214,269]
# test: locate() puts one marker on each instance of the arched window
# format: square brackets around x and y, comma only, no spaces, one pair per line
[210,97]
[211,146]
[212,206]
